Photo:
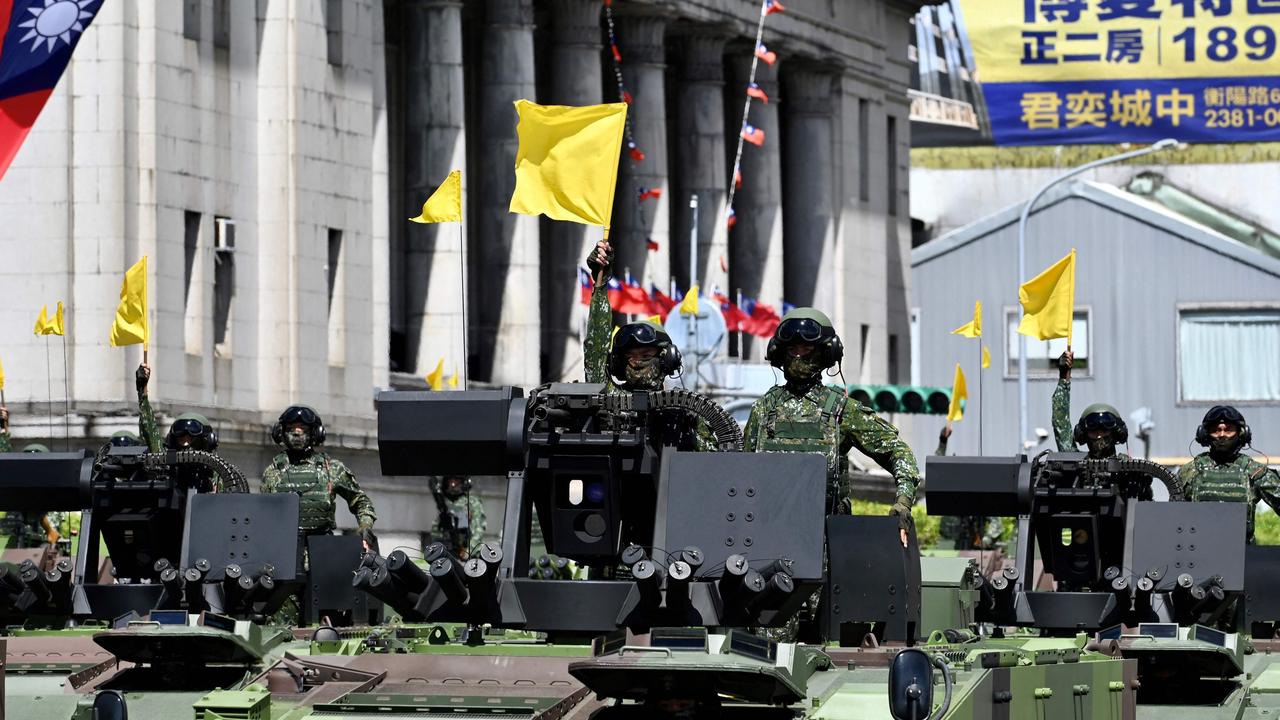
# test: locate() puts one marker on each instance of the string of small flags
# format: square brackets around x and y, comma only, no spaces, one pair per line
[750,133]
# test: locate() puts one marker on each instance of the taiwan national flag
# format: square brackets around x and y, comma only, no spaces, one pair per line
[764,320]
[615,293]
[766,54]
[734,318]
[753,135]
[773,6]
[755,91]
[635,301]
[584,286]
[39,37]
[659,303]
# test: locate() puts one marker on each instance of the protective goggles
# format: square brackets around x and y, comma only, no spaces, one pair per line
[1223,414]
[799,329]
[125,441]
[635,334]
[1101,421]
[299,414]
[188,427]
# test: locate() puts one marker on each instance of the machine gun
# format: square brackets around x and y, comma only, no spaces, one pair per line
[708,539]
[141,506]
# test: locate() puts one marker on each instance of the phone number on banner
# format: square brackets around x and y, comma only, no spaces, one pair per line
[1233,109]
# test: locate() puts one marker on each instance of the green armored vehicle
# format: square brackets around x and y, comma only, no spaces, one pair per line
[693,563]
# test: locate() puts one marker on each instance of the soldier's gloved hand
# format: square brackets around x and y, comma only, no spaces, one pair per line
[1065,361]
[945,434]
[599,260]
[367,537]
[4,418]
[902,510]
[142,377]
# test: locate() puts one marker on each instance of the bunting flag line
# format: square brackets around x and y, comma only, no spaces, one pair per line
[773,6]
[130,325]
[651,244]
[624,95]
[753,135]
[645,193]
[732,219]
[766,54]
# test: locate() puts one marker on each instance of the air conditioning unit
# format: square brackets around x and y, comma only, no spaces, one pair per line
[224,234]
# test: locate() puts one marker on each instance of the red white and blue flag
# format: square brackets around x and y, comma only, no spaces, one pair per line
[766,54]
[634,300]
[773,6]
[584,286]
[732,219]
[764,319]
[753,135]
[615,293]
[39,37]
[645,193]
[659,303]
[754,90]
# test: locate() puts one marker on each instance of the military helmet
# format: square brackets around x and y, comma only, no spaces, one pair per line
[197,427]
[124,438]
[642,334]
[1223,414]
[1100,416]
[805,325]
[35,448]
[299,414]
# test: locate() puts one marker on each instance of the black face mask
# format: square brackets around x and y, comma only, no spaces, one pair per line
[802,368]
[1226,447]
[646,374]
[1101,447]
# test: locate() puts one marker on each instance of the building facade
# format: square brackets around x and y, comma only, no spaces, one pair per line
[266,156]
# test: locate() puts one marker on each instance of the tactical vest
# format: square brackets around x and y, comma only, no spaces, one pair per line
[1223,483]
[310,482]
[815,430]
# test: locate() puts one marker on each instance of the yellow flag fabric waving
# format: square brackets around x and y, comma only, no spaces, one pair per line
[986,358]
[445,204]
[130,326]
[973,328]
[46,325]
[435,379]
[1,376]
[567,164]
[689,305]
[453,379]
[1048,300]
[959,393]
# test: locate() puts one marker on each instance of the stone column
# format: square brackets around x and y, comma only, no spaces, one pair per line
[808,171]
[700,162]
[504,281]
[755,242]
[434,146]
[574,80]
[634,223]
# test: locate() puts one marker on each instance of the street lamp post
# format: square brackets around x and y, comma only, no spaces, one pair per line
[1022,263]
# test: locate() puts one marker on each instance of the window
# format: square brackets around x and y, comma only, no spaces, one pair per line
[1229,354]
[337,309]
[864,353]
[191,19]
[893,359]
[864,149]
[333,30]
[1042,355]
[335,254]
[222,24]
[190,243]
[224,277]
[891,149]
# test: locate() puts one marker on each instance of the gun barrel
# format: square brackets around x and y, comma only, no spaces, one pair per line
[35,482]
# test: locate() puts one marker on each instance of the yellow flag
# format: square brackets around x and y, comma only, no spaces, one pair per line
[453,379]
[655,319]
[959,393]
[435,380]
[1048,300]
[46,325]
[567,164]
[130,326]
[973,328]
[445,204]
[986,358]
[1,376]
[689,306]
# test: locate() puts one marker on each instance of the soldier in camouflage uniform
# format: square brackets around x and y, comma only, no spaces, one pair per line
[803,415]
[1225,473]
[639,357]
[1100,427]
[315,476]
[970,532]
[458,508]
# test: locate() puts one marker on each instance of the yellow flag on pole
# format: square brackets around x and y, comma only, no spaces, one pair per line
[453,379]
[42,321]
[567,164]
[1048,300]
[959,393]
[130,326]
[689,305]
[973,328]
[1,376]
[445,204]
[986,358]
[46,325]
[435,379]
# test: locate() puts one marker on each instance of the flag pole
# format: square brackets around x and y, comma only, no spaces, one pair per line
[462,254]
[738,302]
[48,383]
[981,403]
[66,397]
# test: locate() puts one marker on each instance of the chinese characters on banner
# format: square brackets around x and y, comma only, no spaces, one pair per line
[1105,71]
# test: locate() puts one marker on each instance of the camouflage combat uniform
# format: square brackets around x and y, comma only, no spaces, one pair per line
[316,480]
[820,419]
[6,442]
[1243,479]
[148,430]
[469,510]
[595,351]
[1063,430]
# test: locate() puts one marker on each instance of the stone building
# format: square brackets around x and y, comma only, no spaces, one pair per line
[266,155]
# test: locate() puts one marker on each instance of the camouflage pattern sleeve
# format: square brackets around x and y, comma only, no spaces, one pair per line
[479,523]
[1062,416]
[147,428]
[704,438]
[6,442]
[1266,486]
[1189,479]
[879,440]
[942,447]
[345,485]
[753,427]
[271,478]
[595,349]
